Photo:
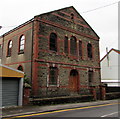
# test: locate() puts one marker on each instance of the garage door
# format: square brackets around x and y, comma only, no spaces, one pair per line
[10,88]
[0,92]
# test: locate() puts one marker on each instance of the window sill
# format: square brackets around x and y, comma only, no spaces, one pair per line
[91,59]
[51,85]
[8,56]
[21,52]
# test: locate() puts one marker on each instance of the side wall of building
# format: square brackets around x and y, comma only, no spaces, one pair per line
[109,70]
[109,66]
[17,59]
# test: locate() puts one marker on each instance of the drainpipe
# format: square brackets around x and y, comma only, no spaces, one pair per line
[32,50]
[107,56]
[2,49]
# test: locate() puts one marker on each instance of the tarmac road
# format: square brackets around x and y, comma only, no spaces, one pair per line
[100,110]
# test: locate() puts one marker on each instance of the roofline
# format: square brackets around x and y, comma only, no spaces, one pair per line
[17,27]
[117,51]
[75,10]
[87,23]
[44,14]
[11,68]
[30,21]
[109,52]
[54,11]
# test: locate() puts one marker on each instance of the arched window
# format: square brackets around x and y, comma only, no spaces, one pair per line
[53,42]
[53,75]
[66,44]
[9,48]
[20,68]
[73,45]
[72,16]
[73,72]
[22,44]
[89,50]
[80,49]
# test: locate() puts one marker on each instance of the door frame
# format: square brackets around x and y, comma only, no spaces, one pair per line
[77,89]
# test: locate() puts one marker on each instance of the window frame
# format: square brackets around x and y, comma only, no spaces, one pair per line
[89,51]
[90,77]
[66,47]
[21,51]
[53,46]
[55,81]
[80,49]
[9,49]
[73,49]
[19,69]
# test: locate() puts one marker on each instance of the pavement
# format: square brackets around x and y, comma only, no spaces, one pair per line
[31,109]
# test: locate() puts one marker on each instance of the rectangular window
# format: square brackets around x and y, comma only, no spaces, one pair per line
[90,76]
[66,44]
[53,76]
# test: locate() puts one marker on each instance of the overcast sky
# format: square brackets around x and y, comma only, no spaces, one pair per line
[102,16]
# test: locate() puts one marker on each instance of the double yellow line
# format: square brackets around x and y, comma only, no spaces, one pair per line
[51,112]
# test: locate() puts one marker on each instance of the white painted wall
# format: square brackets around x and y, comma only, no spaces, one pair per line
[109,69]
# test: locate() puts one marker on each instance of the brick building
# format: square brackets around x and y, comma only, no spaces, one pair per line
[58,51]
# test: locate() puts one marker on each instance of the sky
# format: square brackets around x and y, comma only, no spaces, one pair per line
[101,15]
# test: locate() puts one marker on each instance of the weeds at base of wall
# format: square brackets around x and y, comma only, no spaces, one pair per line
[112,95]
[53,101]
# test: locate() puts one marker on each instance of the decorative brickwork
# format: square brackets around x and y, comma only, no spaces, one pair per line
[56,43]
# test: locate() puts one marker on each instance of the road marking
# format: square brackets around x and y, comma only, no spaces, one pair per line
[43,113]
[109,114]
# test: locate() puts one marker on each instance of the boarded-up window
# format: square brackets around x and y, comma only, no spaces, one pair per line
[53,42]
[80,49]
[9,48]
[20,68]
[90,76]
[66,44]
[89,50]
[53,75]
[73,46]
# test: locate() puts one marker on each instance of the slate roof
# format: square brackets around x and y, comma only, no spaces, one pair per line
[117,51]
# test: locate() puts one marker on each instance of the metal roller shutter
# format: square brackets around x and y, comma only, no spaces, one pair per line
[0,91]
[10,88]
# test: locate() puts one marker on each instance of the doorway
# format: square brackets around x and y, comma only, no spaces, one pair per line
[74,81]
